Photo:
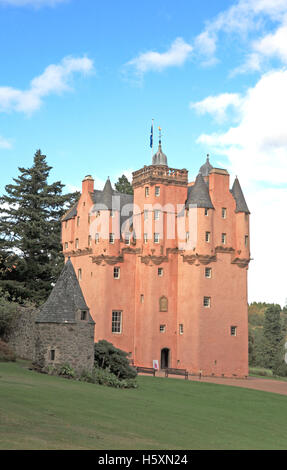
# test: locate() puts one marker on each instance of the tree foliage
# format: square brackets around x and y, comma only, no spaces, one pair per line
[107,356]
[124,186]
[272,350]
[30,232]
[267,335]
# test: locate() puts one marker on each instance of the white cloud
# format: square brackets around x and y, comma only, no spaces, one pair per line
[54,80]
[240,19]
[218,105]
[273,44]
[33,3]
[256,151]
[175,56]
[259,142]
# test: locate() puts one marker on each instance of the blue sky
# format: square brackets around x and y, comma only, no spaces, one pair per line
[82,80]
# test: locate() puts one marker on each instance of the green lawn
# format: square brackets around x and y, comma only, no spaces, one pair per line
[38,411]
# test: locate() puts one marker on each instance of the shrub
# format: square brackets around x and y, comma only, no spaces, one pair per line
[260,371]
[107,356]
[281,369]
[6,354]
[67,371]
[106,377]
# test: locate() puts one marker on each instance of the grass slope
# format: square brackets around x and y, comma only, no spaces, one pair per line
[45,412]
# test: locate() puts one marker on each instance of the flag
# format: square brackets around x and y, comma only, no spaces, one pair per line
[151,136]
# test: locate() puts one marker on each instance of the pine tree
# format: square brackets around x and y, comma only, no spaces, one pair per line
[124,186]
[272,351]
[30,232]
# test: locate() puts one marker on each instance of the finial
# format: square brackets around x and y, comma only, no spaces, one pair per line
[207,157]
[159,132]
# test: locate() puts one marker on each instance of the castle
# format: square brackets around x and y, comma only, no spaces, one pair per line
[164,271]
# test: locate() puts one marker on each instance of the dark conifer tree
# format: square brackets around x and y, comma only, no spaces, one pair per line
[124,186]
[30,232]
[272,347]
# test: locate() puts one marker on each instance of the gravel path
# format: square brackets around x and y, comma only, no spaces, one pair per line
[255,383]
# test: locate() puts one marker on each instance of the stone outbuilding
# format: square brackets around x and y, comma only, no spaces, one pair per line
[64,328]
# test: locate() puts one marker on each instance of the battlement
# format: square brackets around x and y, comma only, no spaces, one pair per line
[153,174]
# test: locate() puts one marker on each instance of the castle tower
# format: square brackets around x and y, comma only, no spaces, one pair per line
[167,278]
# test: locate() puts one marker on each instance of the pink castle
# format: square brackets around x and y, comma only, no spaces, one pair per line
[164,271]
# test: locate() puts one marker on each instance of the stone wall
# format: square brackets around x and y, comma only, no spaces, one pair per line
[58,343]
[21,338]
[73,343]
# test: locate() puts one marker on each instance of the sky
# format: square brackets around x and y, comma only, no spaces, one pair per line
[82,80]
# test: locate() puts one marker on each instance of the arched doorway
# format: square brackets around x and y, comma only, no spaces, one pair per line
[164,358]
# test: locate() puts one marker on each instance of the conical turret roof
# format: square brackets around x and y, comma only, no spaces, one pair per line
[107,195]
[206,167]
[237,193]
[65,299]
[198,194]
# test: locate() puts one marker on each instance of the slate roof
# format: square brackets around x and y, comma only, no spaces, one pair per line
[103,199]
[198,194]
[65,299]
[71,212]
[206,167]
[237,193]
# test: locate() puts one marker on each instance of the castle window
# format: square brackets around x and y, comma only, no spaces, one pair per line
[127,238]
[207,273]
[66,245]
[162,328]
[163,304]
[146,191]
[97,238]
[187,236]
[78,221]
[52,354]
[206,301]
[156,214]
[83,315]
[77,243]
[112,213]
[206,211]
[181,328]
[116,321]
[223,238]
[142,298]
[223,212]
[207,237]
[89,240]
[112,238]
[80,274]
[246,239]
[233,330]
[117,271]
[156,237]
[160,272]
[157,191]
[145,237]
[145,215]
[89,218]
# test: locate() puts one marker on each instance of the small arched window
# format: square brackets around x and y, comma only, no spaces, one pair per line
[163,304]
